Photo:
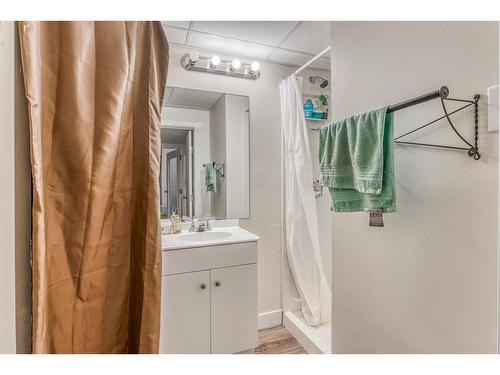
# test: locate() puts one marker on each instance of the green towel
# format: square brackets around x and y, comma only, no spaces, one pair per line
[210,177]
[357,162]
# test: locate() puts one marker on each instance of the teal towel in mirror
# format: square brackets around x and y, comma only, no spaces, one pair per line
[357,162]
[210,177]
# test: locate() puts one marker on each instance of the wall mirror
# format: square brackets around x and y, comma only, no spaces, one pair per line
[205,154]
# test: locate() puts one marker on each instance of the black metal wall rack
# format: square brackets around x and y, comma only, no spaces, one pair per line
[442,94]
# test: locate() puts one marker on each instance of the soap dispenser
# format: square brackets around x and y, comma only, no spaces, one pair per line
[175,221]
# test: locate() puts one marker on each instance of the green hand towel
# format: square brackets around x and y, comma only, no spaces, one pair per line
[357,162]
[210,177]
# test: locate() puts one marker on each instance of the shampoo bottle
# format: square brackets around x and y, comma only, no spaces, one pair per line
[308,108]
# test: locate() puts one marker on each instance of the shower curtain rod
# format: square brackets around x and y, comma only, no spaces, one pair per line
[313,60]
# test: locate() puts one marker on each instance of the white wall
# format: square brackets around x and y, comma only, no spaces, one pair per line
[15,202]
[426,282]
[201,145]
[7,203]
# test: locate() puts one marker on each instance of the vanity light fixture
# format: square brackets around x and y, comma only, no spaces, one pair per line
[214,64]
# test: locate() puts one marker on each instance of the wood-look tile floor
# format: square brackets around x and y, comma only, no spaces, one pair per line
[278,341]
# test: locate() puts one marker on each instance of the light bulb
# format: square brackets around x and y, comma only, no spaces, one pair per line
[215,60]
[236,64]
[255,66]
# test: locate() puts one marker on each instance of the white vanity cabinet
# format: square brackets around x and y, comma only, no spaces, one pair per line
[233,309]
[185,313]
[209,299]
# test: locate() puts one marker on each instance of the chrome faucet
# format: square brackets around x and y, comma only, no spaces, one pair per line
[207,220]
[193,220]
[196,226]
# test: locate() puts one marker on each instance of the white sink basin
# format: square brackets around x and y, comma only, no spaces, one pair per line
[219,235]
[202,236]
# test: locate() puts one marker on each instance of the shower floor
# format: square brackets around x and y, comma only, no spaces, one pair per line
[313,339]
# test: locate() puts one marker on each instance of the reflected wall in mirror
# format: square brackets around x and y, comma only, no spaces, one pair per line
[205,154]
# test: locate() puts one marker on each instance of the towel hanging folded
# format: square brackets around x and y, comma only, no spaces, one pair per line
[210,177]
[357,162]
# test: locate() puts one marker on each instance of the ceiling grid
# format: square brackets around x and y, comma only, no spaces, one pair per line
[282,42]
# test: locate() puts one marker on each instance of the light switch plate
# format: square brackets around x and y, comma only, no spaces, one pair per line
[493,108]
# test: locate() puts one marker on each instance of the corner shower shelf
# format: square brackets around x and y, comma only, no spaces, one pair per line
[319,106]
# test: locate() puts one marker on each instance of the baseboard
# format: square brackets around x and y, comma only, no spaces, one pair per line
[270,319]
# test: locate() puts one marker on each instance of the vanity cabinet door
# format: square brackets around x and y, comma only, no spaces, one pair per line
[185,313]
[234,308]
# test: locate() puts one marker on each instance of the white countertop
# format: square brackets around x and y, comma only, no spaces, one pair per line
[228,235]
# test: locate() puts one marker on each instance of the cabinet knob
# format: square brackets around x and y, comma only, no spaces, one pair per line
[203,286]
[217,283]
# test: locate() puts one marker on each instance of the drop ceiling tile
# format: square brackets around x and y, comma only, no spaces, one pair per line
[228,46]
[322,63]
[266,32]
[289,57]
[181,24]
[310,37]
[176,35]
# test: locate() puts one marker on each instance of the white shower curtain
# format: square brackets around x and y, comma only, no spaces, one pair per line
[301,220]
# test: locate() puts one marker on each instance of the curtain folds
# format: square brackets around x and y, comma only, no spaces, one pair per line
[95,92]
[301,220]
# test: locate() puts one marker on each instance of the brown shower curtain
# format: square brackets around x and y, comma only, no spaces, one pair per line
[95,91]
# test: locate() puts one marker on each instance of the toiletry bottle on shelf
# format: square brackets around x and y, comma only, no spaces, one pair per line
[175,221]
[308,108]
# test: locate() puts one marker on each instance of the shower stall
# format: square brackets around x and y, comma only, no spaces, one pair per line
[306,234]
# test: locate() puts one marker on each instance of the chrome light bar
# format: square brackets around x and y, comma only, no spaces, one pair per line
[234,68]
